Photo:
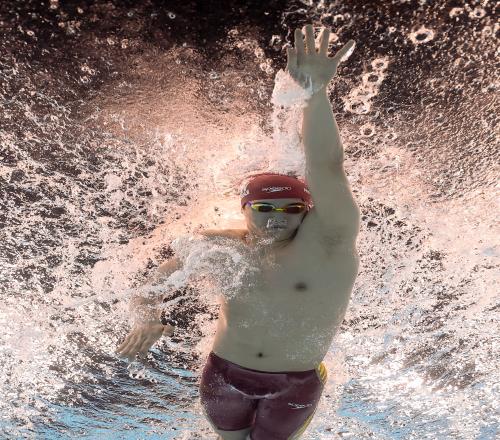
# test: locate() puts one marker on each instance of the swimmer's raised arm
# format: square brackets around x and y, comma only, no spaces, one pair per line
[334,204]
[149,327]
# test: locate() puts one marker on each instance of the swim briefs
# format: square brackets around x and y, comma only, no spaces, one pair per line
[279,405]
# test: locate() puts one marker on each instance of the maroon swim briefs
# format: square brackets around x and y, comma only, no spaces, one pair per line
[278,406]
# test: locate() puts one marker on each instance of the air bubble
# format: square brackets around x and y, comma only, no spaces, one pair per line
[213,75]
[367,130]
[456,12]
[372,78]
[422,35]
[275,41]
[266,67]
[259,53]
[477,13]
[171,15]
[380,63]
[357,106]
[487,31]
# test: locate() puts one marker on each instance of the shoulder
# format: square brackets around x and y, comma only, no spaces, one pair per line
[169,266]
[238,234]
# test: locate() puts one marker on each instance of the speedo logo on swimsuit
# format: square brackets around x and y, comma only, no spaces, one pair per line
[271,189]
[307,191]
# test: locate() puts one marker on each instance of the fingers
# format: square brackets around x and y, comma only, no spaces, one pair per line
[294,55]
[124,343]
[345,51]
[324,40]
[310,43]
[129,349]
[292,58]
[145,346]
[299,43]
[140,340]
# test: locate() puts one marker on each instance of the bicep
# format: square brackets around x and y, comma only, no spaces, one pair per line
[147,291]
[335,208]
[169,267]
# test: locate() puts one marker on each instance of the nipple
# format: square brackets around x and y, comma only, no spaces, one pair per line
[301,286]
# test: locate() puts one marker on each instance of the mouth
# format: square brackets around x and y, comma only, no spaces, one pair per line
[276,231]
[276,225]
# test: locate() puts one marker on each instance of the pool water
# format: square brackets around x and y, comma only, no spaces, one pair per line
[126,128]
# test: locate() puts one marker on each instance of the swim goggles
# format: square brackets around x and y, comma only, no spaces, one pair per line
[293,208]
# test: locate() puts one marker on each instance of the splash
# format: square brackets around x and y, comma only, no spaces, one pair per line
[121,135]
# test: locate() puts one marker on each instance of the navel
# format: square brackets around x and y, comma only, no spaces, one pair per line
[301,285]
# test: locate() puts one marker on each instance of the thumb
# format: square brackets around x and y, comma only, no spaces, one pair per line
[345,51]
[168,330]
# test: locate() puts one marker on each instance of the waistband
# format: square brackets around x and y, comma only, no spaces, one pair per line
[221,361]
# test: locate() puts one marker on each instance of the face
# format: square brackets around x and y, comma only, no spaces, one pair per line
[274,225]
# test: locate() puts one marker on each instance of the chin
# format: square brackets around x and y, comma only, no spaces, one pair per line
[280,233]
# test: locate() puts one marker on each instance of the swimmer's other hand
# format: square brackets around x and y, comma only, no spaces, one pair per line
[141,338]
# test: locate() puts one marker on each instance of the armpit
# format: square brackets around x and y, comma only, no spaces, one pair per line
[330,242]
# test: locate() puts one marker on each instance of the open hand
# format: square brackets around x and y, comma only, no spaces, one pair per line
[310,68]
[141,338]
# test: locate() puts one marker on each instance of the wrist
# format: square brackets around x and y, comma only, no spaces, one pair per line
[317,98]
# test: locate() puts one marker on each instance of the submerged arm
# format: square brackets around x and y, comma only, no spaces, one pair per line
[149,327]
[147,304]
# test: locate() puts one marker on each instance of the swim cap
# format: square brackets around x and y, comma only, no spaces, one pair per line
[275,186]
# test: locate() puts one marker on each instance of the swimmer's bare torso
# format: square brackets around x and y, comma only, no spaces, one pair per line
[287,321]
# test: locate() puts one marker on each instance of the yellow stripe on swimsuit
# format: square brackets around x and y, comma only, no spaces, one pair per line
[322,374]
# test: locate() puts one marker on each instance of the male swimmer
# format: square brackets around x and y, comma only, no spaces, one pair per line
[264,376]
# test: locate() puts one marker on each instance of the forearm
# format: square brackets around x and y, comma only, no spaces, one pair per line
[151,293]
[145,307]
[320,133]
[148,310]
[145,303]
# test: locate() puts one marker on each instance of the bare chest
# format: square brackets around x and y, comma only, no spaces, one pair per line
[299,284]
[289,308]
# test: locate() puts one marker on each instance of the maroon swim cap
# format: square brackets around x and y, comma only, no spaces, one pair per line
[275,186]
